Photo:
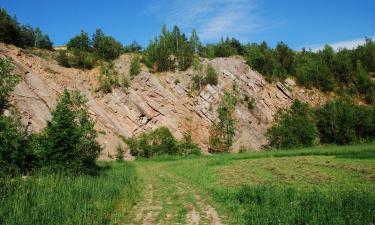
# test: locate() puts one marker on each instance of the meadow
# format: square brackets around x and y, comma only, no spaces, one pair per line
[62,199]
[321,185]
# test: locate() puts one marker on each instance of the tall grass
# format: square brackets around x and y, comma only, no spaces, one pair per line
[274,202]
[58,199]
[269,204]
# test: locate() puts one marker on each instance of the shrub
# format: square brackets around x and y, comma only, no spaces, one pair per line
[8,81]
[293,127]
[120,153]
[16,156]
[106,47]
[108,77]
[250,102]
[67,144]
[135,67]
[160,142]
[342,122]
[211,75]
[63,59]
[223,131]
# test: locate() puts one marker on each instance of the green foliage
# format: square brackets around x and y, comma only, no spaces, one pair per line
[312,71]
[80,42]
[293,128]
[211,76]
[342,122]
[106,47]
[16,156]
[8,81]
[267,204]
[67,144]
[250,102]
[135,67]
[23,36]
[134,47]
[160,142]
[222,132]
[108,77]
[84,52]
[61,199]
[119,153]
[168,50]
[203,75]
[63,59]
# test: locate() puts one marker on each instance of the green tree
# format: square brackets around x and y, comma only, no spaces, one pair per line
[68,142]
[342,122]
[194,41]
[80,42]
[223,131]
[8,81]
[293,127]
[16,155]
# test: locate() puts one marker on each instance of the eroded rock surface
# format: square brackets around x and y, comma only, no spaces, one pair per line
[155,100]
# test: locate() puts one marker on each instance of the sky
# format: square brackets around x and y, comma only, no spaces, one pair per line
[299,23]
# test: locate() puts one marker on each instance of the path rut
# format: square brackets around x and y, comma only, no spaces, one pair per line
[166,199]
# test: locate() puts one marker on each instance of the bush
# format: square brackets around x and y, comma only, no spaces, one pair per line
[223,131]
[211,75]
[63,59]
[160,142]
[119,153]
[342,122]
[293,127]
[106,47]
[135,67]
[8,81]
[16,156]
[67,144]
[250,102]
[108,77]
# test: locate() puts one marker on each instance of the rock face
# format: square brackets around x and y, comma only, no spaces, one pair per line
[155,100]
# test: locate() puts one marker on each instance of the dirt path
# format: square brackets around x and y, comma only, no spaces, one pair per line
[168,200]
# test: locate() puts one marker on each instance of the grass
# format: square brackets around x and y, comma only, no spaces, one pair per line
[323,185]
[57,199]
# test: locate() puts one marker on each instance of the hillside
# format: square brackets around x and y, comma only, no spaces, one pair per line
[154,100]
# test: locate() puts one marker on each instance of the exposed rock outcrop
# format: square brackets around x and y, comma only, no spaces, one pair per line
[155,100]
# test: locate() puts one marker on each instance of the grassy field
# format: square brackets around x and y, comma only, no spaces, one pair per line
[325,185]
[55,199]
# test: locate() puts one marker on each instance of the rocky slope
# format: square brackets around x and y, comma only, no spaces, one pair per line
[154,100]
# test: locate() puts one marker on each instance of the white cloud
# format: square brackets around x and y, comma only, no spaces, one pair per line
[349,44]
[212,19]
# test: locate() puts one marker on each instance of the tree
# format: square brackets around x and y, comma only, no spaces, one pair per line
[108,48]
[68,142]
[16,156]
[223,131]
[80,42]
[342,122]
[8,81]
[293,127]
[194,41]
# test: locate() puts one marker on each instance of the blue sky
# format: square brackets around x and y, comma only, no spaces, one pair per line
[296,22]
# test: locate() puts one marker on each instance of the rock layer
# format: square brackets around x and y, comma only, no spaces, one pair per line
[155,100]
